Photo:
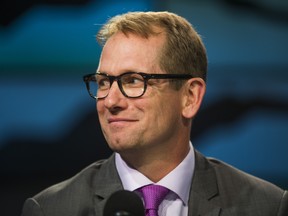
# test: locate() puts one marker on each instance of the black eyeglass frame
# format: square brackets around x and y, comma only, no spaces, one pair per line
[146,77]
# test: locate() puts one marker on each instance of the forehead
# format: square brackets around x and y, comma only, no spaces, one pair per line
[131,52]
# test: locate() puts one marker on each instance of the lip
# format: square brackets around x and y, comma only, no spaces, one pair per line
[119,120]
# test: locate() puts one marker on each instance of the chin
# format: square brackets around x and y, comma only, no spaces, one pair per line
[117,146]
[122,148]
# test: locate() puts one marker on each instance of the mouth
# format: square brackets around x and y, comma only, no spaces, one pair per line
[120,120]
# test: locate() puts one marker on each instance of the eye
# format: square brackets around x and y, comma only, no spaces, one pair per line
[132,80]
[102,81]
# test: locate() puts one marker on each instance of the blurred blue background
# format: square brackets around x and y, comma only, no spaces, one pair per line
[48,124]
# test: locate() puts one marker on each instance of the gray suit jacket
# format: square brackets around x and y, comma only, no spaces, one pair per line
[217,189]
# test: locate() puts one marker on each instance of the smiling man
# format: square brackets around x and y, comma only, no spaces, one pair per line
[148,88]
[139,129]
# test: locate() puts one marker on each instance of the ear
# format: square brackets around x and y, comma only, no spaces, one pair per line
[193,94]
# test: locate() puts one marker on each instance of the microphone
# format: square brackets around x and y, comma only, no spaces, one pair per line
[124,203]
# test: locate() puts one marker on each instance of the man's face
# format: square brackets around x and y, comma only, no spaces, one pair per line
[138,124]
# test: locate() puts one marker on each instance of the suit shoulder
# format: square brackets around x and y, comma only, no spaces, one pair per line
[229,175]
[84,176]
[72,195]
[235,192]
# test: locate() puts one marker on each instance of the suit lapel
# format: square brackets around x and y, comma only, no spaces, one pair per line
[203,192]
[105,183]
[204,189]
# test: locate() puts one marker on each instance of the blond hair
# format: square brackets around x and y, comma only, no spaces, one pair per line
[183,52]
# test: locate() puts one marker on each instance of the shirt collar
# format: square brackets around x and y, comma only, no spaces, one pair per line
[178,180]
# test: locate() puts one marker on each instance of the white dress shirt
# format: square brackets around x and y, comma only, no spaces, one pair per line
[178,181]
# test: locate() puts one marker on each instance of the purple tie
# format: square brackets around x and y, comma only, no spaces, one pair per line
[153,195]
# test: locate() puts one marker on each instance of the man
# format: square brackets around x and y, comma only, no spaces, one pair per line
[149,86]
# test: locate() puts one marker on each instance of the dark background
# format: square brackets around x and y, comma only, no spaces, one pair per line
[48,124]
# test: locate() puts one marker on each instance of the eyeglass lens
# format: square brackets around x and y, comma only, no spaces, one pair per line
[130,84]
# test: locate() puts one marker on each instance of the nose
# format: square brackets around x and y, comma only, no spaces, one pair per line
[115,100]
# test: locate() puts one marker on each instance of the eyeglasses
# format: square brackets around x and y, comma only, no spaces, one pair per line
[131,84]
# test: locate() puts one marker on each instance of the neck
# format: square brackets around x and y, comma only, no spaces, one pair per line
[159,163]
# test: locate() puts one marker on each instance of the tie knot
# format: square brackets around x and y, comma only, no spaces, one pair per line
[153,195]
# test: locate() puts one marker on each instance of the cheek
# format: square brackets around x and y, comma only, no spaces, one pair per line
[100,111]
[157,114]
[99,106]
[169,111]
